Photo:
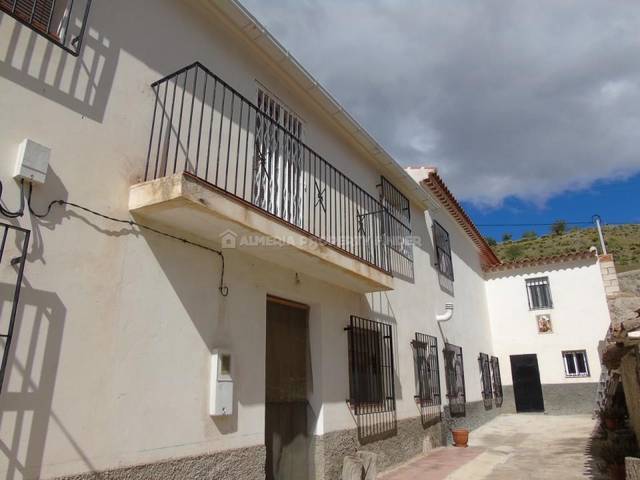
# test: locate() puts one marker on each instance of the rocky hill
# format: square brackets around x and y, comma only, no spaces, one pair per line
[623,241]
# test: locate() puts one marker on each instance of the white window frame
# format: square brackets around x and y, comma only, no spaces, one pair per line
[538,282]
[571,355]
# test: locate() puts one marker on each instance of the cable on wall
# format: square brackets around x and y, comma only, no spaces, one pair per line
[222,288]
[8,213]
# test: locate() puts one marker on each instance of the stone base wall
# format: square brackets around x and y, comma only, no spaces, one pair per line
[411,439]
[328,451]
[239,464]
[476,415]
[560,398]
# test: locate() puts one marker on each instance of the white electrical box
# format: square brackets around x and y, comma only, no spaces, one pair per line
[33,162]
[221,393]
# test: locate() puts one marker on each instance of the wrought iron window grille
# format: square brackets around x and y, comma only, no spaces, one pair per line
[12,235]
[397,219]
[539,293]
[454,379]
[497,381]
[442,243]
[371,378]
[485,375]
[63,22]
[427,374]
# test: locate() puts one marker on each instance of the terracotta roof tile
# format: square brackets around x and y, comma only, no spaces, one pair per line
[428,177]
[530,262]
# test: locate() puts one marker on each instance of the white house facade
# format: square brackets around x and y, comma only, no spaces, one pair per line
[210,270]
[549,316]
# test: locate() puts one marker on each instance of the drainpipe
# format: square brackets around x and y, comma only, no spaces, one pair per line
[445,317]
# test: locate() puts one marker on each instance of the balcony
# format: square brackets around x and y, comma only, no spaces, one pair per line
[226,170]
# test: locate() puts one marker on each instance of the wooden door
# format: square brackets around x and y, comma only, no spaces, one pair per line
[286,407]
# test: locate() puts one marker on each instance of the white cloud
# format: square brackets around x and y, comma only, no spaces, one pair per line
[506,97]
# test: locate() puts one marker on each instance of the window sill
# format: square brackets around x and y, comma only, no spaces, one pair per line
[580,375]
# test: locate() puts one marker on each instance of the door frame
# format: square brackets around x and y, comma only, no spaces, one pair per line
[304,310]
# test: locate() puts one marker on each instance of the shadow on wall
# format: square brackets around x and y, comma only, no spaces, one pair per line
[82,84]
[26,402]
[194,275]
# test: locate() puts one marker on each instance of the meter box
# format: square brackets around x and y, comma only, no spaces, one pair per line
[32,162]
[221,394]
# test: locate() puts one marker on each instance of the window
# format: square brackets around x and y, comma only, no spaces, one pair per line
[397,219]
[443,250]
[372,396]
[575,363]
[371,370]
[485,373]
[277,184]
[427,374]
[394,201]
[539,293]
[454,376]
[61,21]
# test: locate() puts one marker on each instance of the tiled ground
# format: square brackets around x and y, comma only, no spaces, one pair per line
[436,465]
[512,447]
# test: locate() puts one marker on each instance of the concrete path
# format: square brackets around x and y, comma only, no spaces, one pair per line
[511,447]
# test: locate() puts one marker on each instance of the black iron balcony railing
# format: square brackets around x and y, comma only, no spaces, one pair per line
[63,22]
[204,127]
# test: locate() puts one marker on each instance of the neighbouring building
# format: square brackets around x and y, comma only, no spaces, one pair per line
[546,327]
[209,269]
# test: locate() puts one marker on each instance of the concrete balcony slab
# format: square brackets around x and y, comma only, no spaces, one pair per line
[183,202]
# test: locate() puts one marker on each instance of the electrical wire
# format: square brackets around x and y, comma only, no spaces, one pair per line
[8,213]
[528,224]
[224,290]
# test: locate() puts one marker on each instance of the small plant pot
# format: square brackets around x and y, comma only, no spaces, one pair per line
[616,471]
[460,437]
[611,423]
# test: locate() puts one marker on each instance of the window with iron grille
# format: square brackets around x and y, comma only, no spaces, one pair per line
[397,223]
[61,21]
[394,201]
[443,250]
[427,373]
[497,381]
[371,369]
[454,376]
[575,363]
[371,378]
[485,372]
[539,293]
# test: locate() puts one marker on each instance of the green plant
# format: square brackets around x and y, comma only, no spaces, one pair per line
[559,227]
[491,241]
[507,237]
[513,252]
[530,235]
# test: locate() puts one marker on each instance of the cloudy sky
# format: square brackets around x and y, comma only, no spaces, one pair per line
[524,99]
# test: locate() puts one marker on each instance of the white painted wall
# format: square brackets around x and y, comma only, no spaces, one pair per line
[110,363]
[580,317]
